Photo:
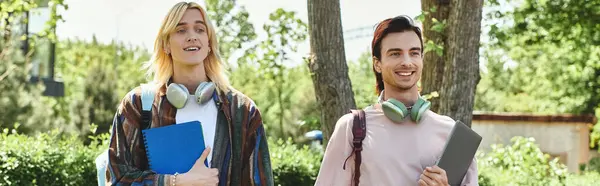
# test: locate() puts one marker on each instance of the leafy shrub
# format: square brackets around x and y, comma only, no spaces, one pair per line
[54,159]
[585,179]
[521,163]
[593,165]
[293,165]
[46,159]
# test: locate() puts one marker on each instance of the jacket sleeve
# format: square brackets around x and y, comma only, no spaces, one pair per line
[260,160]
[125,151]
[335,169]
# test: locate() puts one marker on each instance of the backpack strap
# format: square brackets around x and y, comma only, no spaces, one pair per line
[147,98]
[359,131]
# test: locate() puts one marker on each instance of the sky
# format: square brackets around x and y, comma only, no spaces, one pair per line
[137,22]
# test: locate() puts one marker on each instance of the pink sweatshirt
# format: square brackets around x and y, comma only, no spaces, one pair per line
[393,154]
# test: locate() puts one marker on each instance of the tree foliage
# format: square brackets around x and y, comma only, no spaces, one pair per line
[22,102]
[96,78]
[543,57]
[269,77]
[233,28]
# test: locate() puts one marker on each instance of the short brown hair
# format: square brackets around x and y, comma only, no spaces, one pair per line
[397,24]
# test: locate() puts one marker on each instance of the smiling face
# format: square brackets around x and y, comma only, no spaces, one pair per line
[401,61]
[189,43]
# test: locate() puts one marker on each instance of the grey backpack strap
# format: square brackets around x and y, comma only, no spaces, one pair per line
[147,101]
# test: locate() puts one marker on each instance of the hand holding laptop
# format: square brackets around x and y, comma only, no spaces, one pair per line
[458,154]
[199,174]
[433,176]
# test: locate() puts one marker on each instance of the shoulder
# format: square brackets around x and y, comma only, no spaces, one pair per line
[132,99]
[345,122]
[239,101]
[439,121]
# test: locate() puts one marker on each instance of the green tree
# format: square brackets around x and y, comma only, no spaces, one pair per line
[452,30]
[233,28]
[327,63]
[544,59]
[268,76]
[363,80]
[95,82]
[22,101]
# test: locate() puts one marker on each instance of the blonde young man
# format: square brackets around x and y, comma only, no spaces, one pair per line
[185,63]
[403,139]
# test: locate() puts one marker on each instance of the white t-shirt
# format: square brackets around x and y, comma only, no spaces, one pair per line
[206,114]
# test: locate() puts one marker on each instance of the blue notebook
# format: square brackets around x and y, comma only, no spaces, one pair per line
[174,148]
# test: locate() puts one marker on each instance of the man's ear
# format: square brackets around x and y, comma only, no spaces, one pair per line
[377,64]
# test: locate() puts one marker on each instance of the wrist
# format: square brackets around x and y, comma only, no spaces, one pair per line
[175,179]
[178,179]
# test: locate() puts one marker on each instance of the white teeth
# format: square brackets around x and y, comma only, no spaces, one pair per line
[404,73]
[191,49]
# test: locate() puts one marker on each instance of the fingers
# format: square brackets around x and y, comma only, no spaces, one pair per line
[210,181]
[437,174]
[422,183]
[427,179]
[436,169]
[215,176]
[204,155]
[443,178]
[214,172]
[429,175]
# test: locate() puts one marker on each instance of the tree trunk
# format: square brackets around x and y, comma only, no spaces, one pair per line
[433,69]
[460,61]
[327,64]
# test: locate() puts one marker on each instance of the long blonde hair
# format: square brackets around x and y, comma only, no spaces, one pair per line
[161,64]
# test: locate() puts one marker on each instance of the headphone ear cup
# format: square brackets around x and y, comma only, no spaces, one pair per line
[394,110]
[204,92]
[177,95]
[420,108]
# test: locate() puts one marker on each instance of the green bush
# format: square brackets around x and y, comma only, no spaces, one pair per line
[49,159]
[293,165]
[592,165]
[46,159]
[521,163]
[585,179]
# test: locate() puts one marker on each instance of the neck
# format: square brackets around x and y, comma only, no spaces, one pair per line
[189,76]
[407,96]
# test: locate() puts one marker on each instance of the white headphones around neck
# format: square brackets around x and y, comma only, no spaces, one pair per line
[177,94]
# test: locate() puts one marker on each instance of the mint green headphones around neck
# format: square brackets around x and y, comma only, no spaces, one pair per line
[397,111]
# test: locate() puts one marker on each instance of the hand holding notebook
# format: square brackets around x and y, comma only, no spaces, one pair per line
[200,173]
[174,148]
[180,148]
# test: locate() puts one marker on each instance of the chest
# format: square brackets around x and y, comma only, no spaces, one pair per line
[401,149]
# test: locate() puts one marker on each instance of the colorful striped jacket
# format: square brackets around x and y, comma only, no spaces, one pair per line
[240,150]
